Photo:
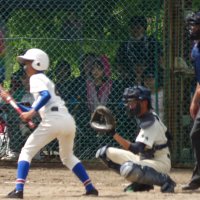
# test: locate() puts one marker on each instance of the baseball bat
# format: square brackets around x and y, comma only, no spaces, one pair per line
[9,99]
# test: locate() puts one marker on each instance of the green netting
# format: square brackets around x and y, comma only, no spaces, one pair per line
[75,33]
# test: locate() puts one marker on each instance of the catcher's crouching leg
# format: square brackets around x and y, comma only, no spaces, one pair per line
[147,175]
[101,153]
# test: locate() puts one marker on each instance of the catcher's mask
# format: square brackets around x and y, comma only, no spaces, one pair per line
[132,97]
[193,24]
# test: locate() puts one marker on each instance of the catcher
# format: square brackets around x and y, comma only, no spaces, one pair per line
[146,162]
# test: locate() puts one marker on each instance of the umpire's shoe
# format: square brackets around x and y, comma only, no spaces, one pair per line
[15,195]
[191,186]
[92,192]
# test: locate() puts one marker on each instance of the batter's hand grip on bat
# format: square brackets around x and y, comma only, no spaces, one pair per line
[12,102]
[31,124]
[19,111]
[8,99]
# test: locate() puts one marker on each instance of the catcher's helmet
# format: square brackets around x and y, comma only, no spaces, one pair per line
[194,20]
[40,59]
[137,92]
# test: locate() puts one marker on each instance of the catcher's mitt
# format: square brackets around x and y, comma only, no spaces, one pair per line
[103,121]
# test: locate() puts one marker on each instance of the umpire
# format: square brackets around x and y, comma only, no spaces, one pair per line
[194,30]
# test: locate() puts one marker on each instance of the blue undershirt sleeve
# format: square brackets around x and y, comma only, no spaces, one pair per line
[42,100]
[24,108]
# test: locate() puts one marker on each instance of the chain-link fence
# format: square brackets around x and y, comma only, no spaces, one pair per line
[180,82]
[97,48]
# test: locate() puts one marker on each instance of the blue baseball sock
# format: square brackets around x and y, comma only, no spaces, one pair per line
[80,171]
[22,172]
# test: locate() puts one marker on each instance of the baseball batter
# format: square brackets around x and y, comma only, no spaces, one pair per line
[146,162]
[56,122]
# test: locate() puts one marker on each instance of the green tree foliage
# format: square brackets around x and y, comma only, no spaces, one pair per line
[103,24]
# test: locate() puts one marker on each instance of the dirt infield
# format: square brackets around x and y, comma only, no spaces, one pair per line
[58,183]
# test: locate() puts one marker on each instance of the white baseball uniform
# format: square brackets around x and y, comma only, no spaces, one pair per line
[56,122]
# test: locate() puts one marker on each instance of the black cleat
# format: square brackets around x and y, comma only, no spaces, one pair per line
[15,195]
[190,186]
[92,192]
[137,187]
[168,187]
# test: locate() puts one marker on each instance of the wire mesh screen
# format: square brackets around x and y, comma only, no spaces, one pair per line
[97,48]
[180,81]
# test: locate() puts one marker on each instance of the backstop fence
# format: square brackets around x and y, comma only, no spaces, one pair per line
[97,48]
